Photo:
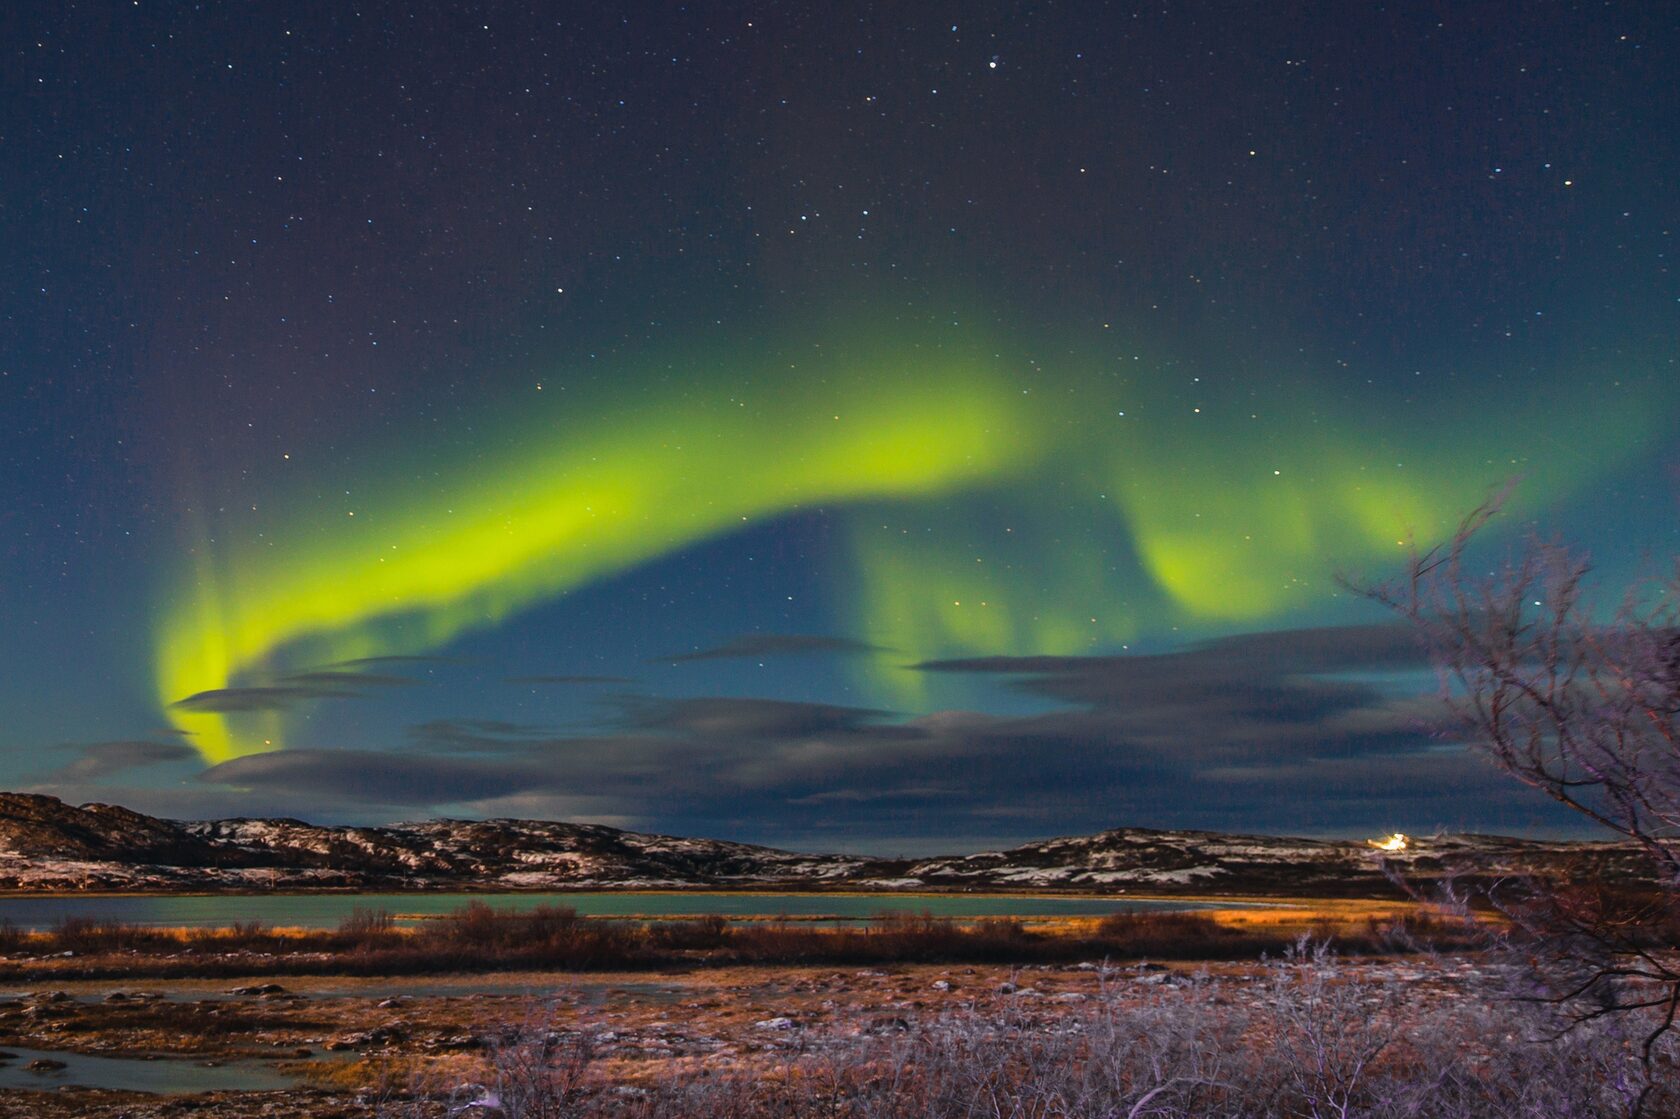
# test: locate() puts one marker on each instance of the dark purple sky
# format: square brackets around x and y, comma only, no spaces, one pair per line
[708,419]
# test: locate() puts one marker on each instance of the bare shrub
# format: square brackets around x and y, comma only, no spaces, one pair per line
[366,927]
[709,931]
[241,936]
[538,1073]
[87,935]
[1305,1039]
[1180,936]
[1582,704]
[528,1070]
[478,938]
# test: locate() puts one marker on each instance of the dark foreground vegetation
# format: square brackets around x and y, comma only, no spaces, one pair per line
[478,938]
[958,1022]
[1305,1036]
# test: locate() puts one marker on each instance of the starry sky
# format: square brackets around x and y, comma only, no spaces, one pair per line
[869,427]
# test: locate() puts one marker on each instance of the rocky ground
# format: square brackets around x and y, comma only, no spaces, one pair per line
[356,1042]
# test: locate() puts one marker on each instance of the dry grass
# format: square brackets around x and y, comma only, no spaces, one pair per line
[1304,1039]
[478,938]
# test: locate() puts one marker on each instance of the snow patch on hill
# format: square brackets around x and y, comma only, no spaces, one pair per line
[48,845]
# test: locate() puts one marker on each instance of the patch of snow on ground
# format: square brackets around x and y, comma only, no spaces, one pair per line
[531,878]
[1179,877]
[1037,874]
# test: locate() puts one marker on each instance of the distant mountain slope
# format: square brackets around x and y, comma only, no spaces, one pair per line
[47,845]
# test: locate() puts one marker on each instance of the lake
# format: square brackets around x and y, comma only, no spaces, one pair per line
[318,911]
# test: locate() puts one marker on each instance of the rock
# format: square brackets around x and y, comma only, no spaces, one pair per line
[459,1041]
[380,1035]
[942,984]
[777,1023]
[259,989]
[45,1064]
[7,1056]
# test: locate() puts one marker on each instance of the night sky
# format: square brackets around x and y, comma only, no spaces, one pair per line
[898,427]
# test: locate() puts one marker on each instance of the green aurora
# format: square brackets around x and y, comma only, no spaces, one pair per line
[1058,506]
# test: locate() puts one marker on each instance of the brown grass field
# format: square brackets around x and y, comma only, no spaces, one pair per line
[1303,1007]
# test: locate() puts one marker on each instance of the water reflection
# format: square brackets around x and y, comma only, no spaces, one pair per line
[325,911]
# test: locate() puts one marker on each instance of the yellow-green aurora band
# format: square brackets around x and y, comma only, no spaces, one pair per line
[1234,511]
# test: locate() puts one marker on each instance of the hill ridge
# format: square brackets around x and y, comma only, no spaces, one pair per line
[48,845]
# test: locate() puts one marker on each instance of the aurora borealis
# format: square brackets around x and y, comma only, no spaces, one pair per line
[839,428]
[571,502]
[1247,535]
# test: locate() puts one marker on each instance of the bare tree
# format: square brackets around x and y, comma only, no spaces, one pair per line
[1582,702]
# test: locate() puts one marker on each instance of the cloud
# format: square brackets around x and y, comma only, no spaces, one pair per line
[101,759]
[375,776]
[1312,731]
[755,719]
[774,645]
[573,807]
[204,802]
[696,758]
[475,735]
[394,658]
[288,691]
[338,678]
[1265,670]
[270,697]
[863,796]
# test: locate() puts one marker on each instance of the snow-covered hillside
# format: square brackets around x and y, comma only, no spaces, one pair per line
[48,845]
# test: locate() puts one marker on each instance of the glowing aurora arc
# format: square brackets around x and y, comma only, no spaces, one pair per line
[573,502]
[1227,517]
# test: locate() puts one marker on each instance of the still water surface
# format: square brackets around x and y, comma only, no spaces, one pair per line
[327,910]
[130,1074]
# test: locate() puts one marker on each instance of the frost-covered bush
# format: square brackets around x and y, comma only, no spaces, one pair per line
[1304,1038]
